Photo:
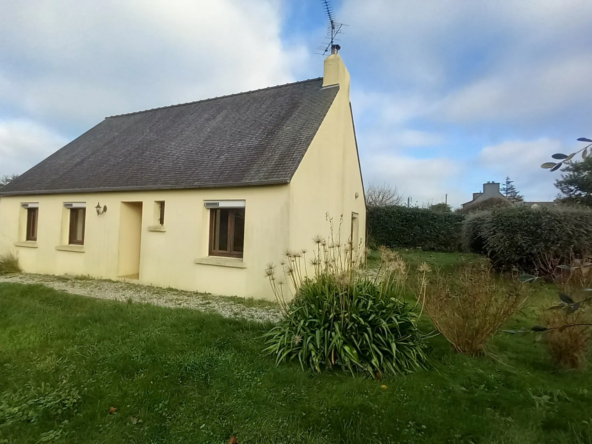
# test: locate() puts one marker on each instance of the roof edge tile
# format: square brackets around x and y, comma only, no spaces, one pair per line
[142,188]
[217,98]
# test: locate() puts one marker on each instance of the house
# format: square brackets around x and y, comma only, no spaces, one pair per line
[198,196]
[491,190]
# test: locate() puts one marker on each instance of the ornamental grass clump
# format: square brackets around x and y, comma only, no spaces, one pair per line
[568,326]
[9,264]
[362,327]
[567,337]
[341,316]
[471,305]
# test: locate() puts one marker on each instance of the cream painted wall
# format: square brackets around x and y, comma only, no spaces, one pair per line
[328,178]
[277,218]
[167,257]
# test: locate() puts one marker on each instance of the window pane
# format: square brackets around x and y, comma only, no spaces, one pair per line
[29,223]
[77,216]
[161,218]
[80,226]
[239,230]
[32,224]
[221,230]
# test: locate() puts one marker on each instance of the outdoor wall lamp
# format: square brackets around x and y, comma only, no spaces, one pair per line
[100,210]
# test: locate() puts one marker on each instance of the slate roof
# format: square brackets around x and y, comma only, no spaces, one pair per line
[252,138]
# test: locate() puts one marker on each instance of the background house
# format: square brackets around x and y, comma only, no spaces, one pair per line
[491,190]
[199,196]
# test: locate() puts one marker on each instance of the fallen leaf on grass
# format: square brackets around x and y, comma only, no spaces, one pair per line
[112,410]
[383,386]
[233,440]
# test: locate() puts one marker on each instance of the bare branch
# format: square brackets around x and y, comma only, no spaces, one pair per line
[382,195]
[6,179]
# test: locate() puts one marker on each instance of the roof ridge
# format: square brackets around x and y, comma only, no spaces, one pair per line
[213,98]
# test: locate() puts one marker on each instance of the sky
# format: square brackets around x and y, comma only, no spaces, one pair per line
[447,94]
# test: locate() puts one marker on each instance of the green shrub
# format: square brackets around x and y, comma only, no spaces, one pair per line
[470,305]
[531,240]
[359,325]
[9,264]
[414,228]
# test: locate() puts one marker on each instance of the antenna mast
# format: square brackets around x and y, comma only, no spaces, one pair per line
[333,31]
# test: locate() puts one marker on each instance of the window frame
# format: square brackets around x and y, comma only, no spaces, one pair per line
[161,206]
[73,225]
[230,252]
[32,224]
[354,235]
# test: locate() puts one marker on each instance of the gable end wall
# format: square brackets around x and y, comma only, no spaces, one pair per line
[327,181]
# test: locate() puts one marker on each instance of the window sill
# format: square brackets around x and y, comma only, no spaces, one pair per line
[72,248]
[157,228]
[220,261]
[26,244]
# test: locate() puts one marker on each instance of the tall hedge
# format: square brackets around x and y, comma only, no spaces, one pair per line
[396,226]
[473,238]
[528,239]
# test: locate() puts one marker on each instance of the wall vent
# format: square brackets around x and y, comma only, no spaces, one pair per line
[224,203]
[75,204]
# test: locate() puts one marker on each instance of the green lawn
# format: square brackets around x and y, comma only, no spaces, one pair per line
[435,259]
[182,376]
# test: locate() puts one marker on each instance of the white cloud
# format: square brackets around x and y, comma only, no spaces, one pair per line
[23,143]
[520,63]
[396,140]
[389,108]
[77,61]
[386,121]
[539,91]
[460,75]
[426,181]
[521,161]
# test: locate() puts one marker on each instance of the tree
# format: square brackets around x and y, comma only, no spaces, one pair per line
[441,208]
[576,182]
[6,179]
[382,196]
[573,184]
[510,191]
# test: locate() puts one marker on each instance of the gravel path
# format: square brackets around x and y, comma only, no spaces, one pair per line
[229,307]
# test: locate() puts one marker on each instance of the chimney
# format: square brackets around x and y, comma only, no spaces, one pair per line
[491,189]
[335,71]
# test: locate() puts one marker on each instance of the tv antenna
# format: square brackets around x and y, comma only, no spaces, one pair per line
[333,30]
